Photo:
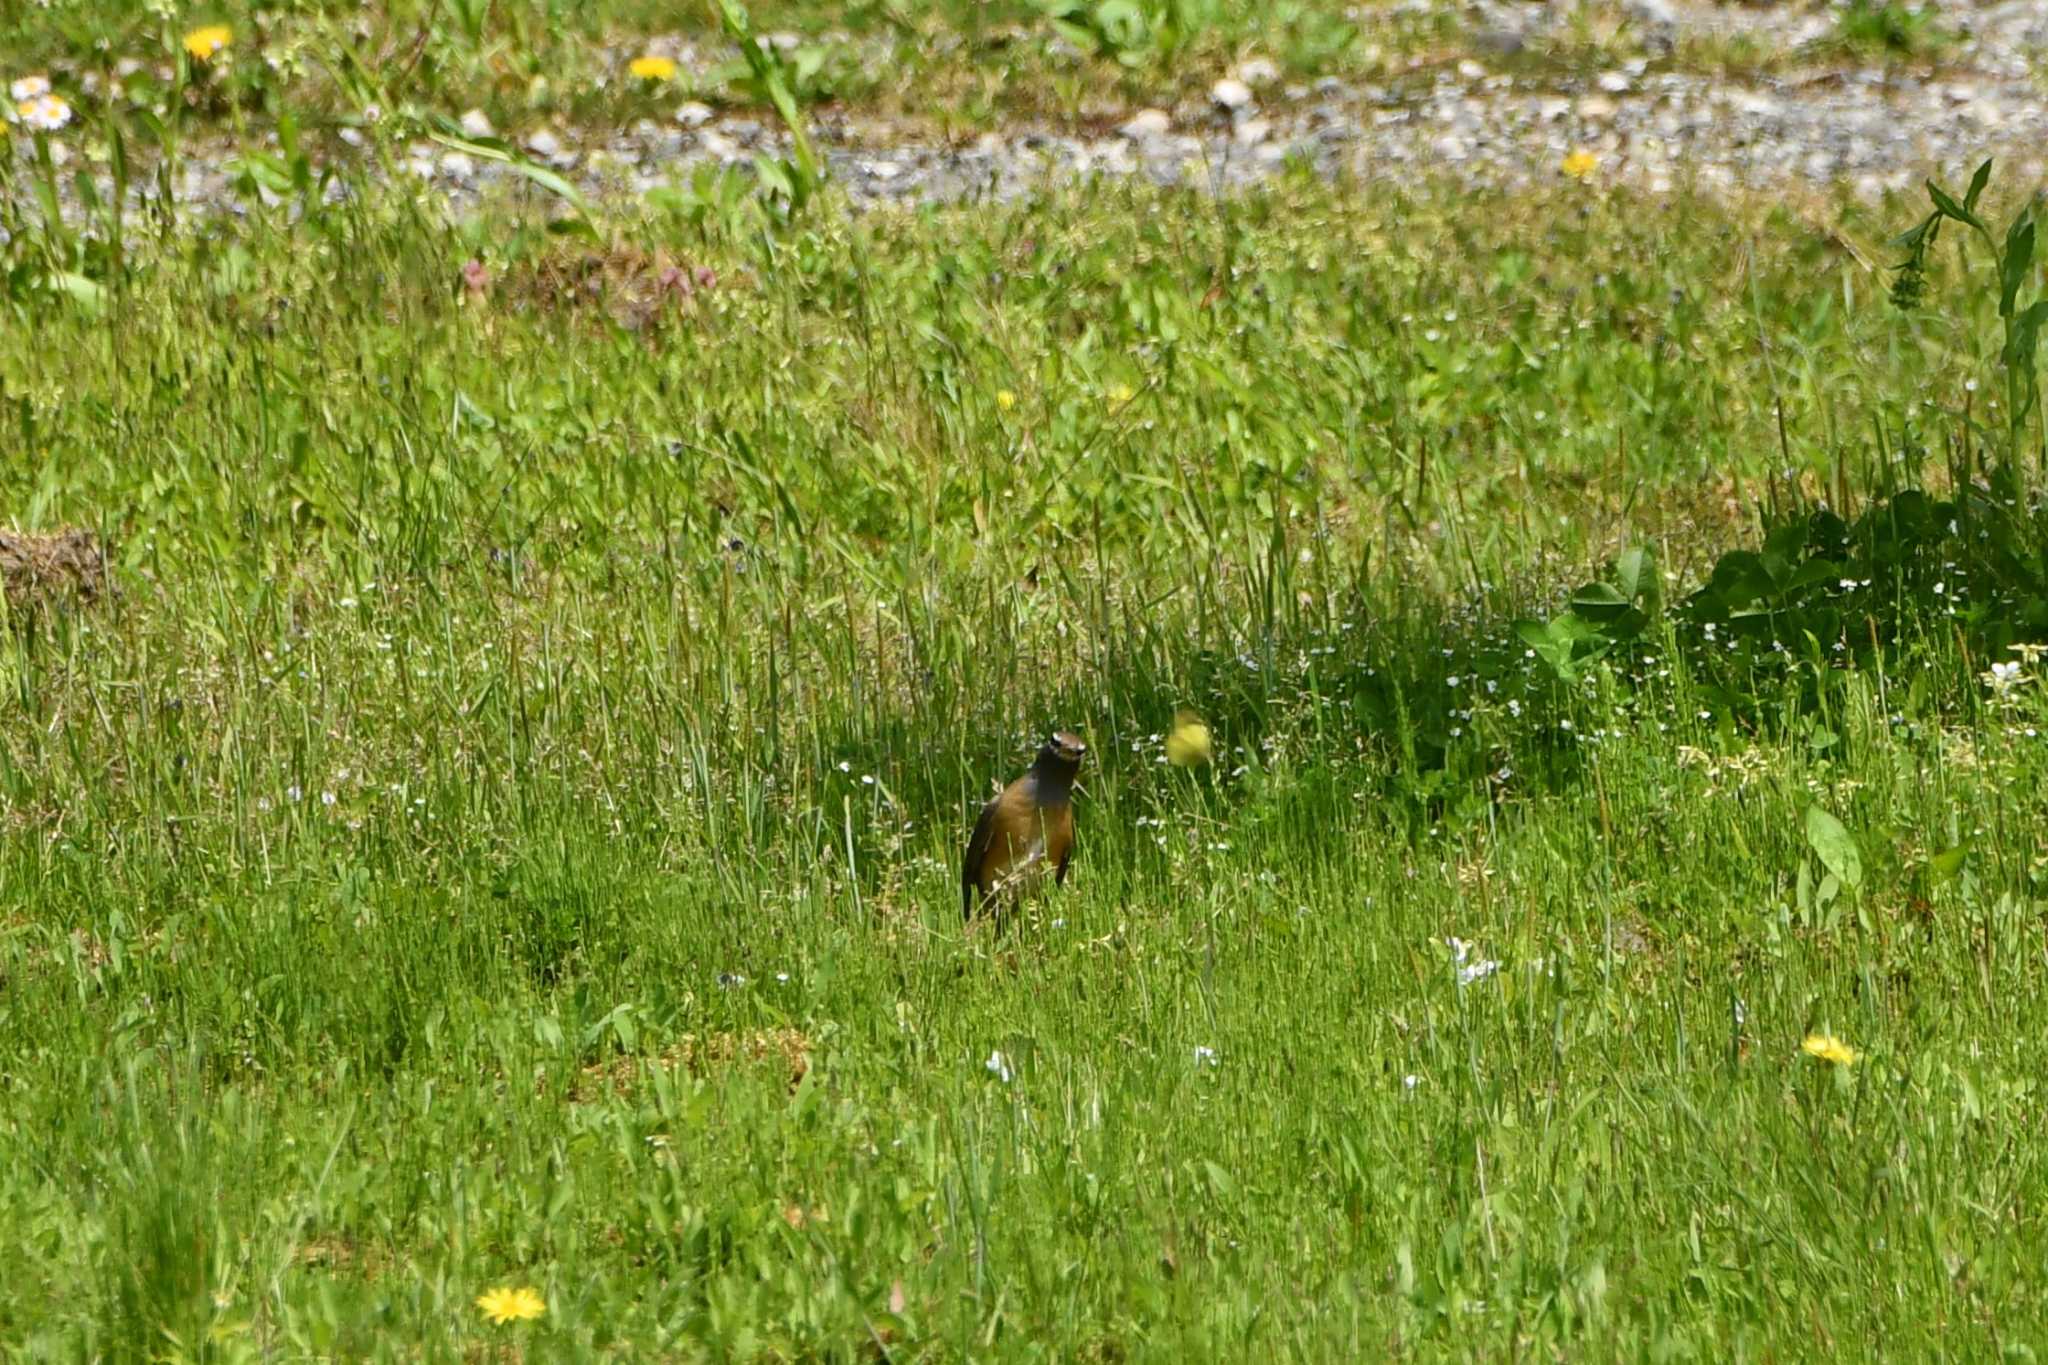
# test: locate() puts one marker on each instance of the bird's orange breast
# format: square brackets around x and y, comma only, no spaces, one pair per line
[1024,834]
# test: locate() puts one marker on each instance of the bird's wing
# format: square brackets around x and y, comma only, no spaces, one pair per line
[977,853]
[1064,836]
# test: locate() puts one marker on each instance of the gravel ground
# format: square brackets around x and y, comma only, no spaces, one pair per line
[1869,128]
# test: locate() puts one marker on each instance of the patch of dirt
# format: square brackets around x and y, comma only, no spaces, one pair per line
[41,568]
[636,288]
[786,1049]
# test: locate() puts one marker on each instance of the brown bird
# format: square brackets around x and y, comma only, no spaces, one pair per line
[1026,829]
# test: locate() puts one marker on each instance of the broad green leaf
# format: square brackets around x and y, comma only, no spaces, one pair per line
[2019,257]
[1600,601]
[1977,184]
[1636,571]
[2026,335]
[1949,206]
[87,293]
[1835,846]
[539,175]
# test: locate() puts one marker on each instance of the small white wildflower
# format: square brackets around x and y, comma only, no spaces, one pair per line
[293,792]
[1205,1056]
[327,798]
[1410,1081]
[845,766]
[44,113]
[998,1067]
[28,88]
[782,977]
[1478,971]
[1469,972]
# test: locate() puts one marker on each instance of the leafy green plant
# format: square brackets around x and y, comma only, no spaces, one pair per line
[1905,30]
[713,200]
[1602,616]
[1841,862]
[791,180]
[2011,272]
[1128,32]
[44,255]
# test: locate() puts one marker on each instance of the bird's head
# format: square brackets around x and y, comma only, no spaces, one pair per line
[1064,750]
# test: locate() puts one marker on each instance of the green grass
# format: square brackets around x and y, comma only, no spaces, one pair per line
[957,64]
[946,69]
[524,718]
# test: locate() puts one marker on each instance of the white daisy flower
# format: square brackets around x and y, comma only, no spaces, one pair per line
[44,113]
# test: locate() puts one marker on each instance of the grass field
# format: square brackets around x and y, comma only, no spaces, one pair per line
[942,67]
[498,826]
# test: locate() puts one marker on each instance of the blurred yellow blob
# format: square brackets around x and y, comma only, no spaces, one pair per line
[1580,164]
[1829,1048]
[203,42]
[651,68]
[1189,742]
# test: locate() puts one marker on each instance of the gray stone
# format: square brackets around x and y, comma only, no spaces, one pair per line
[1258,71]
[1231,94]
[1146,125]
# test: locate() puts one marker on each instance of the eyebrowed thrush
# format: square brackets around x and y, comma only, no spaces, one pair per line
[1027,829]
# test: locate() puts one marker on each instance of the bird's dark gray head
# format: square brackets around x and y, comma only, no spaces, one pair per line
[1061,757]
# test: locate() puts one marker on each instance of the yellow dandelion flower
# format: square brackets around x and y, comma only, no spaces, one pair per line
[653,68]
[1005,399]
[506,1304]
[1189,742]
[1121,393]
[1829,1048]
[1580,164]
[205,41]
